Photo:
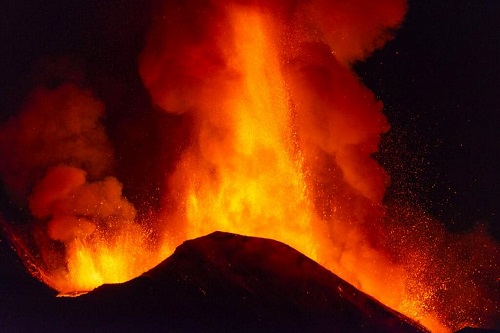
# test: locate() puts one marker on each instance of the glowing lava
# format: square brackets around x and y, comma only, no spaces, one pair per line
[281,138]
[243,175]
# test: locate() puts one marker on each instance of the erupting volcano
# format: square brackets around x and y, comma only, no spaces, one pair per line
[260,127]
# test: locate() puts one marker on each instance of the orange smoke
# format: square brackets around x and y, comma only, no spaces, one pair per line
[58,148]
[281,134]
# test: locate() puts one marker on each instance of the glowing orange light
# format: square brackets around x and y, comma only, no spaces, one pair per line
[281,147]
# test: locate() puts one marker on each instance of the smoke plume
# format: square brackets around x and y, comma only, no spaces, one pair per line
[59,126]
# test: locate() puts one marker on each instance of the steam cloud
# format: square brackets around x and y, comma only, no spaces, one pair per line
[313,126]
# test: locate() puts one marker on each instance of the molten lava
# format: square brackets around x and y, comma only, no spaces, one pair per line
[281,139]
[244,174]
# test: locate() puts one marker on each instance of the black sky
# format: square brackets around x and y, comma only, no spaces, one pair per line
[439,80]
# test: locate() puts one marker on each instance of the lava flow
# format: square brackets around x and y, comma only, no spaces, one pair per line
[280,137]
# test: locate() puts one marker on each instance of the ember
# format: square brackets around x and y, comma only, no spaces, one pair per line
[275,139]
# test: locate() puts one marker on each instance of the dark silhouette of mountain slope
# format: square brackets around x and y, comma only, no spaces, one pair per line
[218,283]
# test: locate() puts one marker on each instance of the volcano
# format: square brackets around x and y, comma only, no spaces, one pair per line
[219,282]
[144,124]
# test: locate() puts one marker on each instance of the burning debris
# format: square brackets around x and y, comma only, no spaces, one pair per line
[273,136]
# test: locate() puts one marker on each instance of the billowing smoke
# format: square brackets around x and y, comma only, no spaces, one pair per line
[273,136]
[75,208]
[57,162]
[59,126]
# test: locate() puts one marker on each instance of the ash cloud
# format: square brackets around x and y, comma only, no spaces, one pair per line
[76,207]
[54,126]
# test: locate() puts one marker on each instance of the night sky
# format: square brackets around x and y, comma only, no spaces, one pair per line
[439,80]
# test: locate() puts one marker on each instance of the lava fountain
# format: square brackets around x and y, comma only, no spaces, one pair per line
[280,142]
